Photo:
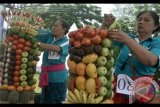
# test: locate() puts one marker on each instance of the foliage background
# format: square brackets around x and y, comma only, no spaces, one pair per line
[88,14]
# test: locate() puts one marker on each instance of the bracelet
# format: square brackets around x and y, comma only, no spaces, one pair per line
[38,43]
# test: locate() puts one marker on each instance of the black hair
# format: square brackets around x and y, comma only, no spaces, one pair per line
[65,25]
[155,17]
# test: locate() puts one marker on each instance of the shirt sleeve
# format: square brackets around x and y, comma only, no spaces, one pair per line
[64,48]
[43,35]
[119,44]
[156,50]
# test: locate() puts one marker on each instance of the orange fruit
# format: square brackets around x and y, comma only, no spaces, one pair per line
[27,88]
[19,88]
[11,88]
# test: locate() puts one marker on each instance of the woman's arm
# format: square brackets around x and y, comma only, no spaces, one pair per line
[145,56]
[43,35]
[49,47]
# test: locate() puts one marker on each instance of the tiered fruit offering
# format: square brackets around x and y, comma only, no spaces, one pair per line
[90,66]
[19,62]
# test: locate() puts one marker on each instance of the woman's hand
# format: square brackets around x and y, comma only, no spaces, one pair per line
[108,20]
[118,35]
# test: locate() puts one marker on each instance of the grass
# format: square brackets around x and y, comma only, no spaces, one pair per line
[37,89]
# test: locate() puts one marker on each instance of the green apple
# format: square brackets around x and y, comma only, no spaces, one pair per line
[29,64]
[105,52]
[36,58]
[23,77]
[33,40]
[23,66]
[24,84]
[111,53]
[102,80]
[32,82]
[38,53]
[109,63]
[108,74]
[102,91]
[30,57]
[31,51]
[24,54]
[101,61]
[24,60]
[29,70]
[109,84]
[34,46]
[109,94]
[23,71]
[101,71]
[30,77]
[112,78]
[106,43]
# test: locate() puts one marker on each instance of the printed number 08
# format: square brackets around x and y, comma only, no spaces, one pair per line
[124,84]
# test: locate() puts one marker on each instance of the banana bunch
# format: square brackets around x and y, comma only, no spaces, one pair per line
[28,30]
[82,97]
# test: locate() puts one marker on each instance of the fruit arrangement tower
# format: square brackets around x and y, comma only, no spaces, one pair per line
[21,52]
[91,64]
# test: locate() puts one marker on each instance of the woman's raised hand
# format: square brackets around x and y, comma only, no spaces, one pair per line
[108,20]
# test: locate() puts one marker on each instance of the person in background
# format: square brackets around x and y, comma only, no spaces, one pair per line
[54,73]
[139,54]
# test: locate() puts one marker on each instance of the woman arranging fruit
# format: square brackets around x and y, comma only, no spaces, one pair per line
[54,73]
[140,53]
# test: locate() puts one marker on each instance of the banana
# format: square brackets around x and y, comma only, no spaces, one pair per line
[70,99]
[66,102]
[72,96]
[98,99]
[81,96]
[91,97]
[78,96]
[84,97]
[86,93]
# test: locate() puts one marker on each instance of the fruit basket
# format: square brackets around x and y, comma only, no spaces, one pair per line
[91,64]
[20,57]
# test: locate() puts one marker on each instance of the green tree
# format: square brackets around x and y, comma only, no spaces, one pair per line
[81,14]
[126,14]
